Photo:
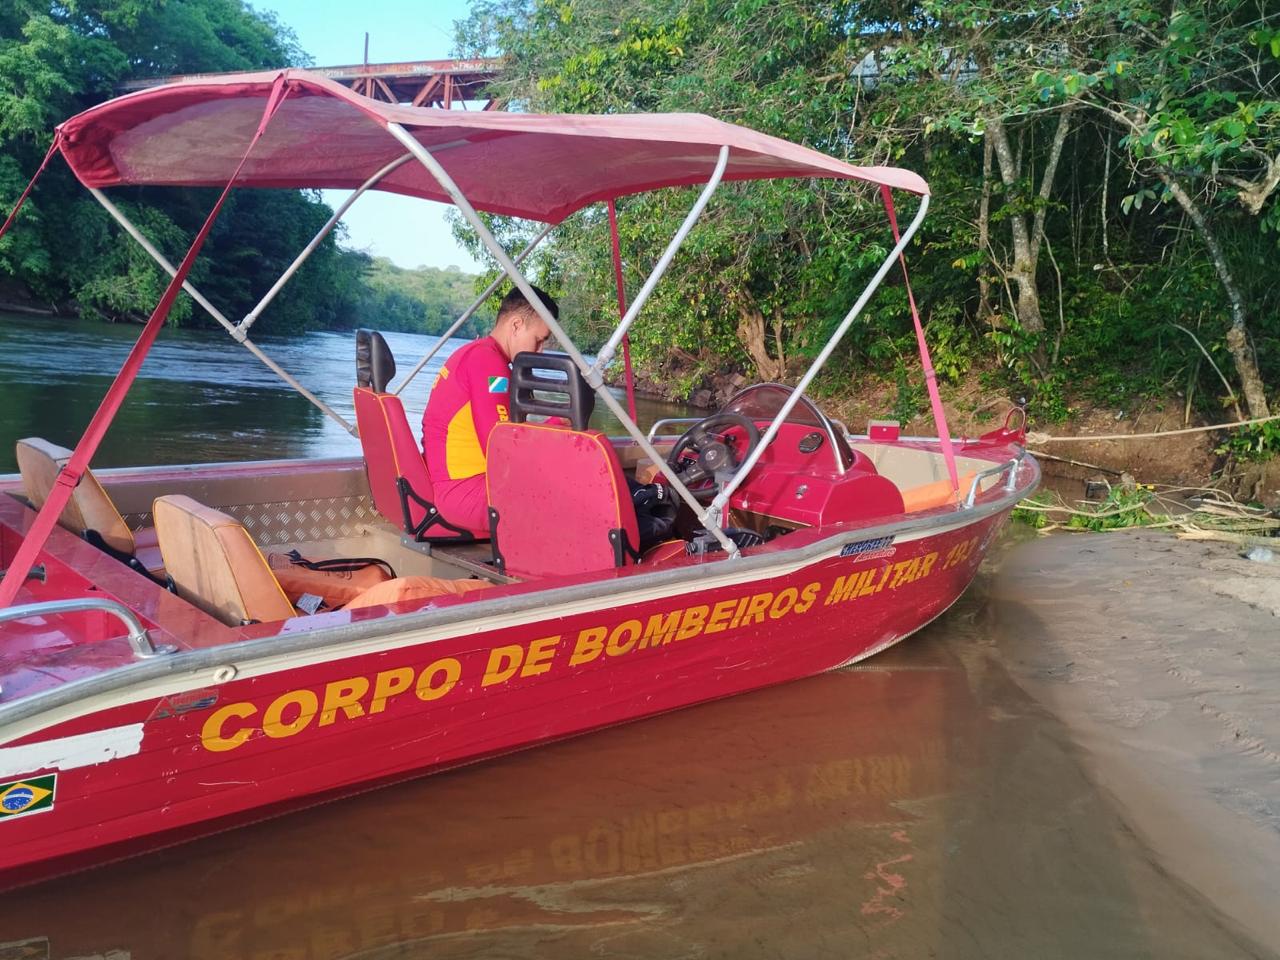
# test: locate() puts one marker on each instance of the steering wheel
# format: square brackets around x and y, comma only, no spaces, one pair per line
[712,452]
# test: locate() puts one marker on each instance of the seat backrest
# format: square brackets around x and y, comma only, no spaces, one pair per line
[391,452]
[89,508]
[215,564]
[561,498]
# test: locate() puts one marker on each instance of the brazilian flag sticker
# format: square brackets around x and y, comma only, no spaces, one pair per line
[33,795]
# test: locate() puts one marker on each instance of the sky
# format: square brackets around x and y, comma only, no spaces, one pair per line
[411,232]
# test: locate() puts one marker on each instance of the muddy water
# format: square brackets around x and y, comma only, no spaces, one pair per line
[199,397]
[919,806]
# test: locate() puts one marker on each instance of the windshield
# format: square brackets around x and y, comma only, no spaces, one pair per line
[763,401]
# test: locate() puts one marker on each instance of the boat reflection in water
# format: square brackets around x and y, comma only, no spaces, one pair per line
[910,808]
[582,836]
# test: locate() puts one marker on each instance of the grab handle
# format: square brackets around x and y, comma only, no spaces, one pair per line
[139,639]
[997,470]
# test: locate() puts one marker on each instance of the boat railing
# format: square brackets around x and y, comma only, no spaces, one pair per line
[139,639]
[1011,465]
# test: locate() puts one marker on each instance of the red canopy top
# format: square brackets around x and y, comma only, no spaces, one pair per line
[540,167]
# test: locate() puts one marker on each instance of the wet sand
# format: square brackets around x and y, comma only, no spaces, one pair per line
[1163,658]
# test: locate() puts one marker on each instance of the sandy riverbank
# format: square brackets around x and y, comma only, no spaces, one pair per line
[1162,657]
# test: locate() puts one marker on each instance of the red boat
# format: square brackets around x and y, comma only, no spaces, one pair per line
[170,662]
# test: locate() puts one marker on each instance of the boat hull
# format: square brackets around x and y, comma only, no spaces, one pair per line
[241,736]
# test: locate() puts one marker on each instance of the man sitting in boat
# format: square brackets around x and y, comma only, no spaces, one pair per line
[471,394]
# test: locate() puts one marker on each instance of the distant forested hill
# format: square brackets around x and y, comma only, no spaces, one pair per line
[424,300]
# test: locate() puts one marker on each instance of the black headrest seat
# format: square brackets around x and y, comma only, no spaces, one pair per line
[375,366]
[571,397]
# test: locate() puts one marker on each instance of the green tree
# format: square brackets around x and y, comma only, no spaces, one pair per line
[1194,89]
[1039,254]
[59,58]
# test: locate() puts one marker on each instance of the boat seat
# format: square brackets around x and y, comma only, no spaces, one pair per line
[215,565]
[89,512]
[558,501]
[398,477]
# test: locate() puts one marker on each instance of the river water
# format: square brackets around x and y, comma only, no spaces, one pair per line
[200,397]
[919,805]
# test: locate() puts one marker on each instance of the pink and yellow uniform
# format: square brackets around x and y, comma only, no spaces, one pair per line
[472,393]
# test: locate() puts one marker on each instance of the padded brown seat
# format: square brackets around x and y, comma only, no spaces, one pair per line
[215,565]
[89,513]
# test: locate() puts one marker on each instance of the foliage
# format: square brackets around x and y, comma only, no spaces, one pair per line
[425,300]
[1121,508]
[922,84]
[1034,510]
[59,58]
[1258,442]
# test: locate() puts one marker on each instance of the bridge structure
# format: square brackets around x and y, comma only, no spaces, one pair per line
[422,83]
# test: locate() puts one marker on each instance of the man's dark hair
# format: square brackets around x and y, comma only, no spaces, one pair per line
[516,301]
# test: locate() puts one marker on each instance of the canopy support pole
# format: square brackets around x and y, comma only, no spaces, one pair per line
[17,207]
[620,285]
[708,521]
[930,378]
[69,476]
[310,248]
[607,351]
[743,471]
[467,313]
[214,312]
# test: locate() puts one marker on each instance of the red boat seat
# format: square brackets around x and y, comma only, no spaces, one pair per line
[89,513]
[559,502]
[398,477]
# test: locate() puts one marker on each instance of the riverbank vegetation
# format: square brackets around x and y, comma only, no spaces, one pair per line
[57,59]
[1190,513]
[1103,226]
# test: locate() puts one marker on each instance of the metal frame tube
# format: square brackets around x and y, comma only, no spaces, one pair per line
[139,639]
[236,334]
[310,248]
[723,497]
[593,377]
[607,351]
[466,314]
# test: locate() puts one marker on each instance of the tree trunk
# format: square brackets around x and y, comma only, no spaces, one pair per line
[985,310]
[751,333]
[1238,336]
[1023,271]
[1027,240]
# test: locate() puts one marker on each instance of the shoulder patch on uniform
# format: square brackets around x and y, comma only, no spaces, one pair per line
[499,384]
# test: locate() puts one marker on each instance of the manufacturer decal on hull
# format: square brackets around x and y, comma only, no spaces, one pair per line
[875,549]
